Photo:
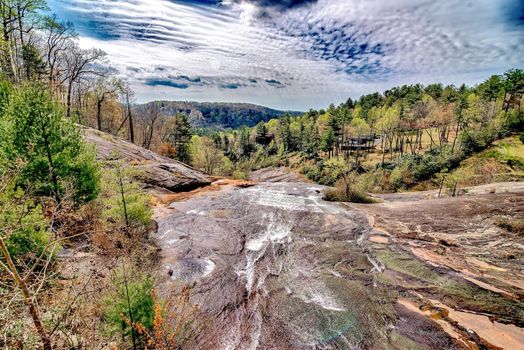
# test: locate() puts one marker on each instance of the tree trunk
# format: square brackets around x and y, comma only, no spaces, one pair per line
[123,196]
[51,165]
[391,146]
[28,300]
[99,114]
[441,185]
[455,138]
[131,128]
[150,137]
[130,313]
[68,99]
[383,149]
[9,64]
[346,184]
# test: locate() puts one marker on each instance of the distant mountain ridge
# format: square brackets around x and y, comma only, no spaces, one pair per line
[220,115]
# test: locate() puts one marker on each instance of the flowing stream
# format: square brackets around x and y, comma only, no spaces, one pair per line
[268,266]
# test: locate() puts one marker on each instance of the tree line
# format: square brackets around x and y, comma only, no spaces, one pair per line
[423,128]
[38,48]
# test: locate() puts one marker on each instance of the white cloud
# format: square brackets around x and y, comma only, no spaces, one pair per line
[315,54]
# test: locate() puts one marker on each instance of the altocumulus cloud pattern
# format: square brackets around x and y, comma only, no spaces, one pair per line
[297,54]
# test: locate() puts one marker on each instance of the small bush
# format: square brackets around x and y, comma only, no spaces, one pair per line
[131,298]
[239,174]
[514,121]
[27,235]
[351,193]
[119,186]
[311,171]
[377,180]
[514,225]
[174,324]
[475,141]
[325,172]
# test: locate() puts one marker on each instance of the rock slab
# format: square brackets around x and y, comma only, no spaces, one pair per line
[154,170]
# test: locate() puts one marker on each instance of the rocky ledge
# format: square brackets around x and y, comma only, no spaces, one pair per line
[154,170]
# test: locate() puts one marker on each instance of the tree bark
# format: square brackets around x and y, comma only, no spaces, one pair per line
[68,100]
[455,138]
[33,310]
[129,308]
[99,114]
[122,193]
[130,116]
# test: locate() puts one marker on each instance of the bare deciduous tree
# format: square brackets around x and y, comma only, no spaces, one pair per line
[79,63]
[57,36]
[151,114]
[104,88]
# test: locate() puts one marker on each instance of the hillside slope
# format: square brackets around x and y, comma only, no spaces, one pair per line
[154,170]
[502,161]
[219,115]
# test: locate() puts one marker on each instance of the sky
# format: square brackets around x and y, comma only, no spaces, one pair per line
[297,54]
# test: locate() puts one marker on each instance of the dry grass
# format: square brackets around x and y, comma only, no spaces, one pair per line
[339,193]
[511,225]
[503,161]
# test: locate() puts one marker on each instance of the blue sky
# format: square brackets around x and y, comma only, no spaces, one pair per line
[297,54]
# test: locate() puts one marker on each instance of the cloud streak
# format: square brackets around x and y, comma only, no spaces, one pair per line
[297,54]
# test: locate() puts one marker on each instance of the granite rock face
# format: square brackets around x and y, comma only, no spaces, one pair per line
[154,170]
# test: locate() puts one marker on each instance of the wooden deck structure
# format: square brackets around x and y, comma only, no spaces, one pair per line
[359,143]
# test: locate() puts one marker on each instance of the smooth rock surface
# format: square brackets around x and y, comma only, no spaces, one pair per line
[154,169]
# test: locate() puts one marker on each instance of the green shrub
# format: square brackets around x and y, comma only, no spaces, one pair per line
[347,193]
[325,172]
[331,170]
[396,178]
[514,121]
[131,298]
[85,170]
[478,140]
[124,198]
[341,194]
[24,227]
[54,158]
[311,171]
[240,174]
[376,180]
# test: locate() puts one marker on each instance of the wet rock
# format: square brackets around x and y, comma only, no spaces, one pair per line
[447,243]
[293,270]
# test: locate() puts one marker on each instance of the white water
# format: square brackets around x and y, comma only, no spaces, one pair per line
[324,301]
[209,267]
[275,222]
[275,233]
[278,199]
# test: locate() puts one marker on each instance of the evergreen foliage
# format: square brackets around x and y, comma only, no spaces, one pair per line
[458,121]
[48,146]
[125,202]
[23,223]
[130,301]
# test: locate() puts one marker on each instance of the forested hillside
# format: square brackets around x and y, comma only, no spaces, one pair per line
[407,136]
[216,115]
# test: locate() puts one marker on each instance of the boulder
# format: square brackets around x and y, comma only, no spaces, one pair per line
[154,170]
